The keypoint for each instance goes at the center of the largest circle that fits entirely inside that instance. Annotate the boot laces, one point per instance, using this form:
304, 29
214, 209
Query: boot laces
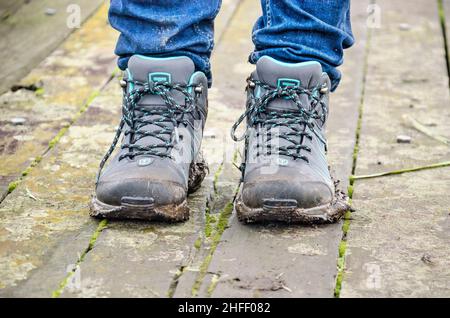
263, 119
136, 117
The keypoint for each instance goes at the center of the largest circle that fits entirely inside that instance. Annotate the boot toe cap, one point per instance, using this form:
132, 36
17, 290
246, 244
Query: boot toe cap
307, 194
158, 193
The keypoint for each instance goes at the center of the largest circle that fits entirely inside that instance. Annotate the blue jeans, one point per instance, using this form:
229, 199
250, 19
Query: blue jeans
289, 30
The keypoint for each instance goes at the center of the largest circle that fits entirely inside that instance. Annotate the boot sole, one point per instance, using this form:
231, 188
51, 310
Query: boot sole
327, 213
165, 213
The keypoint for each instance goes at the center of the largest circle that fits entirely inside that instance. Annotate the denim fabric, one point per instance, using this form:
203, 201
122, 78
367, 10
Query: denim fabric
295, 31
165, 28
289, 30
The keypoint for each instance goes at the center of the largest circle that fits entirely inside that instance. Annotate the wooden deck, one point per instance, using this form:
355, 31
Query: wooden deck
61, 117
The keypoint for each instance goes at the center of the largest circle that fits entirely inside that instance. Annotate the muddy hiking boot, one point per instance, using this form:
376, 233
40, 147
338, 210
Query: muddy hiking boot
159, 161
285, 173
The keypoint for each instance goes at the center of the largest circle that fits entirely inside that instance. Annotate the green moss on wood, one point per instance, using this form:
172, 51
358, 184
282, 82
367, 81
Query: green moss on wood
101, 226
350, 191
339, 279
216, 178
342, 248
345, 226
212, 286
12, 186
58, 136
39, 92
208, 225
27, 171
222, 224
198, 243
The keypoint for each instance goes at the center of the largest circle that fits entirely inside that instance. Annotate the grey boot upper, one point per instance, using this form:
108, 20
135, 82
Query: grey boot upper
286, 114
165, 108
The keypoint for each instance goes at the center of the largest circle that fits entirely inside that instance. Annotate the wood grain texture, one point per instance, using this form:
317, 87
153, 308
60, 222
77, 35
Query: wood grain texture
398, 242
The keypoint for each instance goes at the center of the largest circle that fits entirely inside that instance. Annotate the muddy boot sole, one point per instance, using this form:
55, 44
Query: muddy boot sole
150, 212
166, 213
328, 213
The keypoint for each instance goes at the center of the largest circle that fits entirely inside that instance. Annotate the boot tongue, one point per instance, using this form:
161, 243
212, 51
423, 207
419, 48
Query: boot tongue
174, 70
277, 74
274, 73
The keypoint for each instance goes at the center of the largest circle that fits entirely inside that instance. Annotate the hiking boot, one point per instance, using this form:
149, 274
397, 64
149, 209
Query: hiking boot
285, 174
159, 162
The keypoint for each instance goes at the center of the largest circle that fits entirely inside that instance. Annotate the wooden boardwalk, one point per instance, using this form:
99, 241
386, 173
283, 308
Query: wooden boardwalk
61, 117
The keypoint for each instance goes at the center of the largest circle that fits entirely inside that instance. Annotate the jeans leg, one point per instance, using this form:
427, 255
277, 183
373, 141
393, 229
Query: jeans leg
165, 28
304, 30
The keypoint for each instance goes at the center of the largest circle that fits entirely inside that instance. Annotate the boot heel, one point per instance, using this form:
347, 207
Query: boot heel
197, 173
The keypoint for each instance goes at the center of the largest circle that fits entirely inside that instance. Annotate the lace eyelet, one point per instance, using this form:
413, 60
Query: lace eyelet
198, 89
265, 120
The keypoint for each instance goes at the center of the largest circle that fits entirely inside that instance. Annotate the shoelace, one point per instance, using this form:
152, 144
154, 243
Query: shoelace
258, 114
136, 117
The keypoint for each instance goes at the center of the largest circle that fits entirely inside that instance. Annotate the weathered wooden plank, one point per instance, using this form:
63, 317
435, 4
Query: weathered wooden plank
69, 77
226, 12
45, 228
31, 30
44, 223
444, 15
217, 214
398, 243
294, 261
9, 7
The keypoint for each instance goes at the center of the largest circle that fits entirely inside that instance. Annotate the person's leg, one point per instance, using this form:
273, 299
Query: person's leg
298, 45
164, 49
304, 30
165, 28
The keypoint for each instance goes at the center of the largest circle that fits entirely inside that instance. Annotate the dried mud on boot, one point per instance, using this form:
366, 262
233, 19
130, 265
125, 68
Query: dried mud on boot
197, 173
328, 213
168, 213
